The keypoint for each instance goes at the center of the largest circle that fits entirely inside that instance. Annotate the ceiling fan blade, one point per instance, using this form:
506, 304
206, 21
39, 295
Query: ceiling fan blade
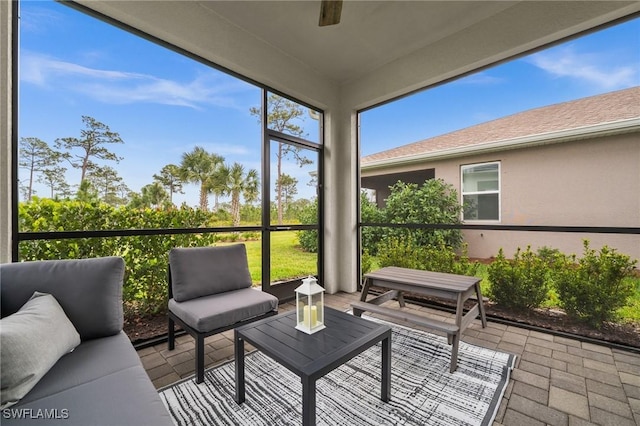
330, 11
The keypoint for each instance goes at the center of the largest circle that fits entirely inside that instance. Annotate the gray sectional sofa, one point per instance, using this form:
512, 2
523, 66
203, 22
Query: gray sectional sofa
102, 381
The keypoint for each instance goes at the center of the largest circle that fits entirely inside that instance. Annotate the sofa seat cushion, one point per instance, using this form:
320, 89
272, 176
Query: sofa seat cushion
31, 342
102, 382
224, 309
124, 397
90, 361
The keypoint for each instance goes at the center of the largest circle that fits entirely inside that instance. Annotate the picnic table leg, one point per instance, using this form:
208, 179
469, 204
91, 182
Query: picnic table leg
308, 401
483, 317
239, 364
456, 337
365, 290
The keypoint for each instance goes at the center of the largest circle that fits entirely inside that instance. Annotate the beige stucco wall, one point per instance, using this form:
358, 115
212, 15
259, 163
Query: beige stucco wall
592, 182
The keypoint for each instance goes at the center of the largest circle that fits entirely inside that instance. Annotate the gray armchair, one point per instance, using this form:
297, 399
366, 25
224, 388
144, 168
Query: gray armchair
210, 292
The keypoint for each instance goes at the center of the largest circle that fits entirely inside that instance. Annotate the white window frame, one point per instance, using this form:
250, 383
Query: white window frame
498, 191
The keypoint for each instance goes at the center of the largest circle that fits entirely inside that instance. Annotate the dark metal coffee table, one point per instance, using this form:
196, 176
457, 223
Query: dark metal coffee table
311, 356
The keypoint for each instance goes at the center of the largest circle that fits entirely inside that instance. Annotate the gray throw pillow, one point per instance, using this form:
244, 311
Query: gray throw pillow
32, 340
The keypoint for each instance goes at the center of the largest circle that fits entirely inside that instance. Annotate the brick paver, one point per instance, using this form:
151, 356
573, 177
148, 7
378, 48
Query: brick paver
557, 380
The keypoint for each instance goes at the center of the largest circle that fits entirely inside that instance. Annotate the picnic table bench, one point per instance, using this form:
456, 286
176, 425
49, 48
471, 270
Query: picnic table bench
435, 284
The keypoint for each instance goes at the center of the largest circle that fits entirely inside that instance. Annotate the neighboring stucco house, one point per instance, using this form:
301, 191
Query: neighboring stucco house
571, 164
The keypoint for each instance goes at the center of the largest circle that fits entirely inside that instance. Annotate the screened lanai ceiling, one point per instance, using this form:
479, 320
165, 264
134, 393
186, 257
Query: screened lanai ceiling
370, 34
380, 49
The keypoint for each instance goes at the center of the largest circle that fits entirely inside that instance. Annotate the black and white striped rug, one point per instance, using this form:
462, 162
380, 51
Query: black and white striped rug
423, 392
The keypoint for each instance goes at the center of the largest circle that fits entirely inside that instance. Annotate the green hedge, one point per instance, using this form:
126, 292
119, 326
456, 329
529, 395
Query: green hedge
593, 288
145, 287
590, 289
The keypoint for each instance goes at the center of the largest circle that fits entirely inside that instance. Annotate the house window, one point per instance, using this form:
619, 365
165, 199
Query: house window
481, 191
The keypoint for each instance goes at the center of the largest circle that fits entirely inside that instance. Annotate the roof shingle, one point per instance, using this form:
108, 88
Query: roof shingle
606, 108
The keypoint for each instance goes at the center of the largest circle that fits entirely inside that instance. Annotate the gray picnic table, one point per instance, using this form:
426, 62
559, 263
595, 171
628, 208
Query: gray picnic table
458, 288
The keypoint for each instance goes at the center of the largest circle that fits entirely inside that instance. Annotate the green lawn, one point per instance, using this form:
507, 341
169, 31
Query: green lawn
287, 258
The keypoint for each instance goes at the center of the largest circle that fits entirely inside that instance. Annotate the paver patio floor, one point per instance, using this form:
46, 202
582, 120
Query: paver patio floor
557, 380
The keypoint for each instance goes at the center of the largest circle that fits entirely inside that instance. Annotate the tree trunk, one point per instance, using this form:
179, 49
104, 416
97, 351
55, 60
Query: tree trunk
235, 208
278, 186
204, 201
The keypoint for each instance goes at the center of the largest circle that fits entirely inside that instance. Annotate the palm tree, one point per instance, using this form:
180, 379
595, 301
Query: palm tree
217, 182
154, 194
240, 184
198, 166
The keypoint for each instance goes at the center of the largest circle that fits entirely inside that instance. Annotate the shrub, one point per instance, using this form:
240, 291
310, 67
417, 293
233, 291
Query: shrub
593, 288
521, 283
404, 253
146, 257
309, 239
409, 254
366, 263
371, 235
435, 202
445, 259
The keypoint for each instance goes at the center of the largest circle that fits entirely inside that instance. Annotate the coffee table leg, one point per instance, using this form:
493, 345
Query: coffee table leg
386, 369
308, 401
239, 361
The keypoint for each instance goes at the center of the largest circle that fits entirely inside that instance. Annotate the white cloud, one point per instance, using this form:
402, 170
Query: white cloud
480, 78
37, 20
588, 67
121, 87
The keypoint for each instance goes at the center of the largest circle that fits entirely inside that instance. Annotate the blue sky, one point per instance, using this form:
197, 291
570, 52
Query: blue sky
163, 104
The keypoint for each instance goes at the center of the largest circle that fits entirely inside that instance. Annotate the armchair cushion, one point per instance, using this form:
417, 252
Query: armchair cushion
88, 290
32, 340
220, 310
203, 271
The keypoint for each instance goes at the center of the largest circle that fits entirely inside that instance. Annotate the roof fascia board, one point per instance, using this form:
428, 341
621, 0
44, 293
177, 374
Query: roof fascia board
568, 135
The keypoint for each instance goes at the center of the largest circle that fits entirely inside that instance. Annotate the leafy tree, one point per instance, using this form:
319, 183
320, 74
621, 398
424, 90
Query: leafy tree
198, 166
106, 182
24, 190
239, 183
169, 177
217, 182
287, 185
282, 115
54, 178
154, 194
36, 156
122, 192
434, 202
91, 145
87, 193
